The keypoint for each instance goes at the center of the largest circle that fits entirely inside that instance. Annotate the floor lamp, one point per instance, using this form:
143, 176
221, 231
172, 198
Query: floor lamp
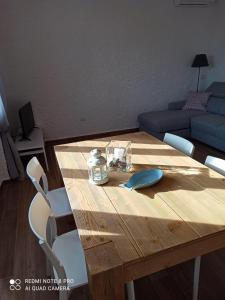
200, 61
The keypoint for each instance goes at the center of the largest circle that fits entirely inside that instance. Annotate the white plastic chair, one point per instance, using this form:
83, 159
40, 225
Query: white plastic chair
65, 253
197, 265
187, 148
215, 163
57, 198
179, 143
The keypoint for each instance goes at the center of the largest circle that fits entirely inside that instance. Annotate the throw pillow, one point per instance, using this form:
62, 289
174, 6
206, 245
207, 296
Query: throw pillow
197, 101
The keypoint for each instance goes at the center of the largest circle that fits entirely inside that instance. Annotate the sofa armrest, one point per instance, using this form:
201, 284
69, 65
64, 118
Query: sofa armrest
176, 105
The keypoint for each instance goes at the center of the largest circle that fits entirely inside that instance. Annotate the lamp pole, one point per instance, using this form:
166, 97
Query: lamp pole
198, 78
200, 60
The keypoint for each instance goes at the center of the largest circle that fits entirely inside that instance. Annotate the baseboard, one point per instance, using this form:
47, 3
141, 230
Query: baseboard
89, 137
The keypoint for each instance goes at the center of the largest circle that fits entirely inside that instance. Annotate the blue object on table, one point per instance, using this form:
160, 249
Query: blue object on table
143, 179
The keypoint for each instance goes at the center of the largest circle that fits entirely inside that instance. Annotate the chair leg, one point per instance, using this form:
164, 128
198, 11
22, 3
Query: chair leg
51, 234
130, 290
196, 277
63, 295
49, 270
46, 160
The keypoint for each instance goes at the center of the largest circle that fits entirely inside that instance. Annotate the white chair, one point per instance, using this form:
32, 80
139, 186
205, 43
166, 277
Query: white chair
187, 148
215, 163
197, 265
179, 143
65, 253
57, 198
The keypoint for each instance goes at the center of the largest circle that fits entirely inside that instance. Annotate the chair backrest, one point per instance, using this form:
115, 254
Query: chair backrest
39, 215
179, 143
215, 163
36, 173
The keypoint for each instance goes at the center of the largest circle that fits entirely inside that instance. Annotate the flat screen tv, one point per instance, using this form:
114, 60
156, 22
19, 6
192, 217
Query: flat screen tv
27, 120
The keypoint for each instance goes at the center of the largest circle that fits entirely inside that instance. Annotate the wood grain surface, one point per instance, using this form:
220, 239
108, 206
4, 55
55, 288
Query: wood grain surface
183, 214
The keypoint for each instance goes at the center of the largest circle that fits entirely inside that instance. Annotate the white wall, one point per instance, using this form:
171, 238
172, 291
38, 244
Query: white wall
92, 66
217, 40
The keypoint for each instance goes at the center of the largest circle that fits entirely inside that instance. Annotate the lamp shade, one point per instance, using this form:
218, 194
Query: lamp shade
200, 60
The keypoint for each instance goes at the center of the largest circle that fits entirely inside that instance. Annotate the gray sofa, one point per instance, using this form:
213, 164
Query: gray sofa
206, 126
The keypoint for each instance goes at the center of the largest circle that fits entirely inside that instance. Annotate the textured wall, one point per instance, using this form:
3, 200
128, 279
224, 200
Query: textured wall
217, 69
93, 66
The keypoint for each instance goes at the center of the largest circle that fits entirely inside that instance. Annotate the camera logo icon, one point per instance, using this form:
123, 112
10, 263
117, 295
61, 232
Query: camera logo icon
15, 284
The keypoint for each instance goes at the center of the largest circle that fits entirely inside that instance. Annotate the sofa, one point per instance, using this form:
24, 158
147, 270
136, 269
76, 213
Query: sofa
206, 126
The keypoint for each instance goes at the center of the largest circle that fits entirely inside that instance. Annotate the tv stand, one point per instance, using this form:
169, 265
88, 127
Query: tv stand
34, 144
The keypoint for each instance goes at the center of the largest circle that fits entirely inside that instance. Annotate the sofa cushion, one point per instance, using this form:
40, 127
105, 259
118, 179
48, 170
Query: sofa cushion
217, 89
209, 123
216, 105
221, 132
163, 121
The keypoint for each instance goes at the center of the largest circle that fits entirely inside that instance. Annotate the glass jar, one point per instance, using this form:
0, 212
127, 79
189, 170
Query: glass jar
97, 168
118, 155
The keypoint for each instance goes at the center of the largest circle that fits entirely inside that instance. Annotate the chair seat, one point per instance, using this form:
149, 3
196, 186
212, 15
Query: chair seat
59, 202
68, 249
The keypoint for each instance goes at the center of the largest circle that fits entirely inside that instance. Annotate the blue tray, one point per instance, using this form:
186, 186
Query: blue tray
143, 179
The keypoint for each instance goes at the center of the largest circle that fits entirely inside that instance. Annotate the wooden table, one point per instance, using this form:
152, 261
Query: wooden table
127, 235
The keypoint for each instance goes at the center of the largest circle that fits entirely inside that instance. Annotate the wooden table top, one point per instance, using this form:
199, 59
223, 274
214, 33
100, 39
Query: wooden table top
118, 227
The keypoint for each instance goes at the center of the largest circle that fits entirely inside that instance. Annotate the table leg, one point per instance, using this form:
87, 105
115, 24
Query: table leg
105, 273
196, 277
107, 286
